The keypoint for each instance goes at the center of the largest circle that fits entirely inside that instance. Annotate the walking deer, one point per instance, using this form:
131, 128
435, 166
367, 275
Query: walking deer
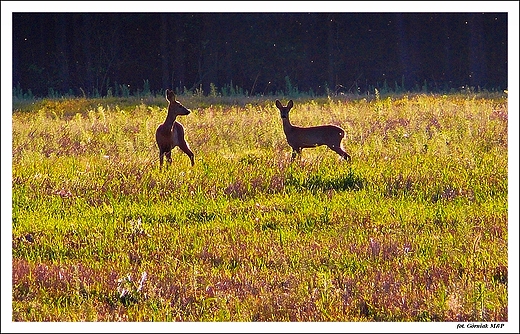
299, 137
171, 133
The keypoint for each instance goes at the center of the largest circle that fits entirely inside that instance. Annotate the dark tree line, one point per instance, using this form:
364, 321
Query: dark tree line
261, 53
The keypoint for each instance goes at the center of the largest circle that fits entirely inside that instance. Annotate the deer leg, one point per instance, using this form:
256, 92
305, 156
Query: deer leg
161, 158
186, 149
297, 151
344, 154
169, 157
340, 151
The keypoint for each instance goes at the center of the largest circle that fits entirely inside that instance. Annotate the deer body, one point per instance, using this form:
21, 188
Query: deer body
306, 137
171, 133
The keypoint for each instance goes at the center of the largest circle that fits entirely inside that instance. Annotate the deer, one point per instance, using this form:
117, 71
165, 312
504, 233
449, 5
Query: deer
299, 138
171, 133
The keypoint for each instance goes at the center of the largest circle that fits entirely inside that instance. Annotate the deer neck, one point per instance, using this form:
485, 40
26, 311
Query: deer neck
170, 119
287, 126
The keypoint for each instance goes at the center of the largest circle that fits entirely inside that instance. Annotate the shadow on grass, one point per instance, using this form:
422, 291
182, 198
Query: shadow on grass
317, 181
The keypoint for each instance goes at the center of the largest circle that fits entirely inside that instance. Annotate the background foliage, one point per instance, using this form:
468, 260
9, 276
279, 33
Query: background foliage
104, 54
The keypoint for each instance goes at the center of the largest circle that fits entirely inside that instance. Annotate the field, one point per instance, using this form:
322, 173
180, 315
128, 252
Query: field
413, 229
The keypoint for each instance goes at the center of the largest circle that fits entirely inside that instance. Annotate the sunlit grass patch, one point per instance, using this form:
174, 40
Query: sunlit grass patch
414, 228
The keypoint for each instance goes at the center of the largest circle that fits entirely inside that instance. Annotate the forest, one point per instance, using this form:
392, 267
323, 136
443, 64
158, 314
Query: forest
100, 54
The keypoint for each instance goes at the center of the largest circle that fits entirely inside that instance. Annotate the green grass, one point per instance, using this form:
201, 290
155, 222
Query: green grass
414, 229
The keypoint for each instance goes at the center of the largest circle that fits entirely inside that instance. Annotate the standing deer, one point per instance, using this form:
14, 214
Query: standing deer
171, 133
299, 138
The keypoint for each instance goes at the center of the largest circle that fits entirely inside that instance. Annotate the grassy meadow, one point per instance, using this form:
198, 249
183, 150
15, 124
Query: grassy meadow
413, 229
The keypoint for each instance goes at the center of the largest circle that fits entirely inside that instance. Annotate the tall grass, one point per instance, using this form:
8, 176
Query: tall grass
414, 229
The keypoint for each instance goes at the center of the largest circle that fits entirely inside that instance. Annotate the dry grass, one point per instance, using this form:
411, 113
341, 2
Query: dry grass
414, 229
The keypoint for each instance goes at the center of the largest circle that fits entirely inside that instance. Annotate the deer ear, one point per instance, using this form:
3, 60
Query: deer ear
170, 95
278, 104
290, 104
